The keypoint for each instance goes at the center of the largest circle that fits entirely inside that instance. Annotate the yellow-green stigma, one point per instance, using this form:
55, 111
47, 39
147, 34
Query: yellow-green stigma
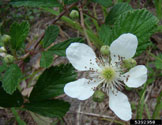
108, 73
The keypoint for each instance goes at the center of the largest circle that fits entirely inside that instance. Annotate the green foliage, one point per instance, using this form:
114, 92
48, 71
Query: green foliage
105, 3
18, 33
3, 67
11, 78
50, 108
18, 119
158, 61
158, 107
7, 100
35, 3
70, 1
46, 59
60, 48
105, 34
50, 36
139, 22
51, 82
116, 11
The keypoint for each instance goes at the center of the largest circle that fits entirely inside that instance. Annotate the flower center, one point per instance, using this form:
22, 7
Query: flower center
108, 73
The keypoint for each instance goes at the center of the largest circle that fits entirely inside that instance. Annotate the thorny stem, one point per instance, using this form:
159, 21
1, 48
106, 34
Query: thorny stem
82, 24
73, 24
54, 21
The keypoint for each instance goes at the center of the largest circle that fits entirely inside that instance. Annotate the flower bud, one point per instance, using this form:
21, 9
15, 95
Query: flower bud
98, 96
129, 63
105, 50
9, 59
2, 50
5, 38
74, 14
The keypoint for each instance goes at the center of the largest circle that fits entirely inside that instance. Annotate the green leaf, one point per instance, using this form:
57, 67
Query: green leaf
51, 83
105, 34
138, 22
158, 61
105, 3
70, 1
60, 48
18, 34
117, 10
3, 67
46, 59
49, 108
7, 100
50, 36
18, 119
35, 3
158, 107
11, 78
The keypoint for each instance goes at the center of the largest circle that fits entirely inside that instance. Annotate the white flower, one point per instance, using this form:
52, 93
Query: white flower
106, 74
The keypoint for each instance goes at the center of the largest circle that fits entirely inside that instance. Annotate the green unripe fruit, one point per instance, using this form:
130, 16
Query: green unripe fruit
5, 38
98, 96
129, 63
105, 50
74, 14
9, 59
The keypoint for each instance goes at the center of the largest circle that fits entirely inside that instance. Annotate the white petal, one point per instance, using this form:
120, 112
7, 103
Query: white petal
120, 105
81, 89
125, 46
137, 76
81, 56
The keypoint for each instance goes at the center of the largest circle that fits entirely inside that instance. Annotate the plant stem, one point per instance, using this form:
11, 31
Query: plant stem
18, 119
98, 43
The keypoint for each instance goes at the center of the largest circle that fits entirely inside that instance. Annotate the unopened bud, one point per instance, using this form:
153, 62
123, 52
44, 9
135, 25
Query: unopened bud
9, 59
2, 50
105, 50
98, 96
129, 63
74, 14
5, 38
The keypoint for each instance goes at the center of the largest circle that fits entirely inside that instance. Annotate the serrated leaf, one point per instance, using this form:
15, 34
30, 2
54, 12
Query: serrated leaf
60, 48
51, 82
105, 3
117, 10
18, 34
158, 61
50, 36
49, 108
138, 22
7, 100
11, 78
35, 3
46, 59
105, 34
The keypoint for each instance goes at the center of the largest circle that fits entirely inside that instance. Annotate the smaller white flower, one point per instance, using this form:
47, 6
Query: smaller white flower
106, 74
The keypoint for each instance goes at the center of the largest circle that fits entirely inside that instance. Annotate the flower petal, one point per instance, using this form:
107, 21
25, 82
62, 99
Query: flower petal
137, 76
81, 89
124, 46
120, 105
81, 56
